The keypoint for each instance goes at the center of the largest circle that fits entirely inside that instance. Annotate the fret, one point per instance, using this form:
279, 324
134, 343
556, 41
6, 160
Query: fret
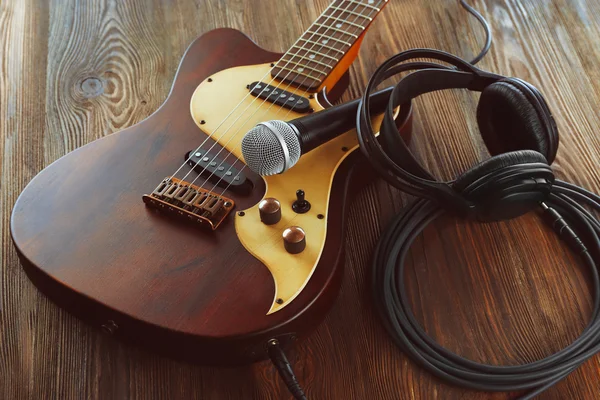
364, 5
310, 60
352, 13
313, 60
301, 73
353, 24
322, 45
302, 67
331, 38
316, 53
336, 29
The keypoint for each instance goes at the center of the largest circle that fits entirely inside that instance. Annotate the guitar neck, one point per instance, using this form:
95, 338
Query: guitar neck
328, 41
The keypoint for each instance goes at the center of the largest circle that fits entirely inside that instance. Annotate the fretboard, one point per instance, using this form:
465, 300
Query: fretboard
311, 59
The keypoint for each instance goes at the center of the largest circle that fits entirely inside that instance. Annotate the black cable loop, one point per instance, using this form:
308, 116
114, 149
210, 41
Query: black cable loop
394, 307
563, 210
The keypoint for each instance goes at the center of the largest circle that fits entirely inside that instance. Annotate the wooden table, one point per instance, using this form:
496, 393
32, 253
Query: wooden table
502, 293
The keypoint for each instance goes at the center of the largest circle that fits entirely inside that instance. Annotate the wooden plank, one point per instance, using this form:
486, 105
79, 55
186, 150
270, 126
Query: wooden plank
502, 293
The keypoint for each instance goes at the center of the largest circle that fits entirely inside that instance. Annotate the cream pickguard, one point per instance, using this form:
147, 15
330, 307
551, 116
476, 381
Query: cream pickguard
212, 102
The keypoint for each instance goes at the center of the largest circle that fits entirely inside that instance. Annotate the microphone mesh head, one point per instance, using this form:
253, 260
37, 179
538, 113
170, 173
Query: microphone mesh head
263, 151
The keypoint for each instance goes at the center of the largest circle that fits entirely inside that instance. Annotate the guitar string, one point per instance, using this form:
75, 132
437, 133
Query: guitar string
380, 5
291, 71
337, 19
272, 104
269, 242
223, 146
241, 102
244, 165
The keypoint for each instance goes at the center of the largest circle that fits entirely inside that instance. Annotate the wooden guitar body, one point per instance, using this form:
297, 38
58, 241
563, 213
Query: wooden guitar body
88, 242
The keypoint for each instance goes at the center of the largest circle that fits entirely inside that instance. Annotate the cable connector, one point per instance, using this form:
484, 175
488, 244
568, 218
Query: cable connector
285, 369
564, 230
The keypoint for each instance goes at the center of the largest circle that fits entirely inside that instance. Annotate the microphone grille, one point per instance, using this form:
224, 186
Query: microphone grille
263, 150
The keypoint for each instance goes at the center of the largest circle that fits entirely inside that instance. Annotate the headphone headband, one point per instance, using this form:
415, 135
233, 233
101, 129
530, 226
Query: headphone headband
414, 85
392, 158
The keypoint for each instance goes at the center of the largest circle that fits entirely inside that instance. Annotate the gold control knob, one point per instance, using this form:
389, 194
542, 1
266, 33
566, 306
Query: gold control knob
294, 239
270, 211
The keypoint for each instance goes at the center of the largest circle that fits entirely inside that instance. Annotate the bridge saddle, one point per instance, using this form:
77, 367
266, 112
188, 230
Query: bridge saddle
187, 202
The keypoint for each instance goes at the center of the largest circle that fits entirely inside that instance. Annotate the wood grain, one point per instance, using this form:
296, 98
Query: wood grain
504, 293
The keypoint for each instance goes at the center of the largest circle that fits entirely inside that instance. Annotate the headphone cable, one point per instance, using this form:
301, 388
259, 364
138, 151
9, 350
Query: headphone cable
572, 222
486, 27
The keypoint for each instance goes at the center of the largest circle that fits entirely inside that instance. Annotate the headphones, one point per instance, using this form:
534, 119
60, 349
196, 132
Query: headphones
514, 120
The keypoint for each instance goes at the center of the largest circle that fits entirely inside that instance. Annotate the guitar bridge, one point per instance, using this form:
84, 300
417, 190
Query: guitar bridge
190, 203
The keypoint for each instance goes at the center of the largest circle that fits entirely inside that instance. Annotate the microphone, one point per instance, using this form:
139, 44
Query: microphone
273, 147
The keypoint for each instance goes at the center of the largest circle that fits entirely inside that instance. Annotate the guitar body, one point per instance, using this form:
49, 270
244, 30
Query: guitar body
88, 242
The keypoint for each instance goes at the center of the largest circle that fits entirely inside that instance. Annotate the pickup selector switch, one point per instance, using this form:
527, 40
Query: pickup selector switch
270, 211
301, 205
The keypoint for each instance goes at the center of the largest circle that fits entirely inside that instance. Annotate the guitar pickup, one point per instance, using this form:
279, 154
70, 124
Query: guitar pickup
218, 171
280, 97
190, 203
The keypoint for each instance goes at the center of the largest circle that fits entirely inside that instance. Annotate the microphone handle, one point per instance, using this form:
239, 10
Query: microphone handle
321, 127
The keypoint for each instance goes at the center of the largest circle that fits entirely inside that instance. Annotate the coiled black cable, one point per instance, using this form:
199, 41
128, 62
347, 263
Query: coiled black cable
563, 210
575, 225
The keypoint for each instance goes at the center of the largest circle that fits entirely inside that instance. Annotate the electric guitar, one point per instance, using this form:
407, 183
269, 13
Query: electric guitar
159, 233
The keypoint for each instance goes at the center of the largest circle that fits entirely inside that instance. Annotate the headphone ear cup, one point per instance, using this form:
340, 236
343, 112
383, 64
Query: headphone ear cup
507, 185
509, 122
496, 163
